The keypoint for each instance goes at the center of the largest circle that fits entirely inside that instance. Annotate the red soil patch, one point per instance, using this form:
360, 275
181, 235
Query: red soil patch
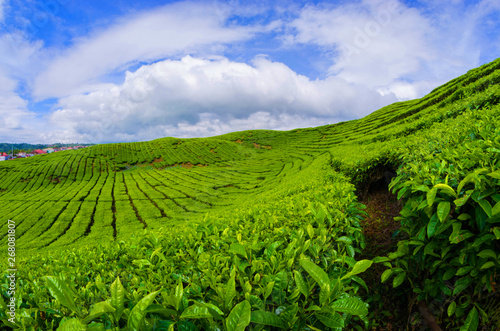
256, 145
267, 147
158, 160
239, 141
212, 151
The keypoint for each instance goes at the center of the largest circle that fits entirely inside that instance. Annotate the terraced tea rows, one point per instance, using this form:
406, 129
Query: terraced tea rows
88, 194
278, 184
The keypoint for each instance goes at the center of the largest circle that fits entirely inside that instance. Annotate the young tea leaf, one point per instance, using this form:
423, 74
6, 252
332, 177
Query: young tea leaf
446, 189
99, 309
136, 317
178, 295
398, 280
318, 274
432, 226
487, 265
330, 319
61, 292
239, 317
237, 248
386, 274
358, 268
431, 195
230, 292
267, 318
443, 210
301, 284
486, 207
195, 311
496, 209
451, 308
117, 298
487, 253
353, 306
472, 321
72, 324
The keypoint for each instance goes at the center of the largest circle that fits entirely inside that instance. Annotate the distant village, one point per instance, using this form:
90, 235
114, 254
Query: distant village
23, 154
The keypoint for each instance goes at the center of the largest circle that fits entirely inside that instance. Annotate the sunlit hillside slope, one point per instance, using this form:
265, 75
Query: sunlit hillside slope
254, 220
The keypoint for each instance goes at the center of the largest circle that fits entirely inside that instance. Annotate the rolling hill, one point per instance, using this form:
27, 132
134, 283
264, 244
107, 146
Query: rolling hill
262, 228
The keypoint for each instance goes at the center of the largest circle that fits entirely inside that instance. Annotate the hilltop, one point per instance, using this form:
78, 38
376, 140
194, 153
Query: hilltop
268, 224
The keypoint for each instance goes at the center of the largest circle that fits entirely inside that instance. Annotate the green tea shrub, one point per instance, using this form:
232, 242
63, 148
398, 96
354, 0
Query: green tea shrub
452, 217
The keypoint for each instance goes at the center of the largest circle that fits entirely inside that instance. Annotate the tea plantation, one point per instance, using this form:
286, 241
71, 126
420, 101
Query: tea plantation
263, 230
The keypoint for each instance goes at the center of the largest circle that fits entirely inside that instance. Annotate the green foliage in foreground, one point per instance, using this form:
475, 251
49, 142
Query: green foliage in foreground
451, 216
288, 264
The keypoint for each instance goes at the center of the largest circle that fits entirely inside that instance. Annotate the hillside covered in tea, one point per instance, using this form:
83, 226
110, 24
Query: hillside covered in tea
266, 230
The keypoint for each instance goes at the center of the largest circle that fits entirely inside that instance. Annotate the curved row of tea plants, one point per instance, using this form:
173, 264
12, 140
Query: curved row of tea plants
282, 263
260, 229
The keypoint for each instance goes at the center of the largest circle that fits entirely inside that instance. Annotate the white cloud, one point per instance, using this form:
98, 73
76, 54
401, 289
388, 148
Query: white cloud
193, 97
376, 43
17, 61
19, 57
11, 105
389, 46
169, 31
16, 122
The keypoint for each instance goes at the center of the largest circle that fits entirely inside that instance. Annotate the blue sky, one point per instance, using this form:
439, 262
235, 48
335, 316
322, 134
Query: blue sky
112, 71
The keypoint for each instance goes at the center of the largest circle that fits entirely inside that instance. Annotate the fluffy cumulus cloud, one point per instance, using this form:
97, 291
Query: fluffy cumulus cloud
12, 107
168, 31
16, 122
201, 97
392, 47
